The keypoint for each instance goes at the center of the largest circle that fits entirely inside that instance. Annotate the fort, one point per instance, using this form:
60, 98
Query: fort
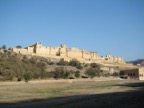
63, 52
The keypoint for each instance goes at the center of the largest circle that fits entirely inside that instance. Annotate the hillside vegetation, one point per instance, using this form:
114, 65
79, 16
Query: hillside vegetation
26, 67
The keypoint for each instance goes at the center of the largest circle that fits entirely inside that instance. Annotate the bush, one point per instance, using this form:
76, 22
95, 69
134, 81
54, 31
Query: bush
33, 60
77, 74
51, 63
4, 47
74, 63
116, 74
79, 66
94, 65
43, 75
18, 46
92, 72
66, 74
27, 77
85, 65
58, 72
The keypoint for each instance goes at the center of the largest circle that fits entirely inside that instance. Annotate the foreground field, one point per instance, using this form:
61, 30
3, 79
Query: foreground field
72, 94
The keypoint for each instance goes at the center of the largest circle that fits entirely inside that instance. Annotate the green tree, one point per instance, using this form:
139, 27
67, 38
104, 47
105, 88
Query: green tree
79, 66
92, 72
116, 74
27, 77
18, 46
76, 64
4, 47
77, 74
94, 65
58, 72
66, 74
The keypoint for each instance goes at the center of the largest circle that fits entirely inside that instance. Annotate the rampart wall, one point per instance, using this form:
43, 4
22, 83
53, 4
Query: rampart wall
67, 53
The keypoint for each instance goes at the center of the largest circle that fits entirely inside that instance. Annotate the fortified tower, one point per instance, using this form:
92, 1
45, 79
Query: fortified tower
67, 53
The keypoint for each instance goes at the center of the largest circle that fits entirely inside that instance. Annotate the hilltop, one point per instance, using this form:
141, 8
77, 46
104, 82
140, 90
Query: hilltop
137, 62
18, 67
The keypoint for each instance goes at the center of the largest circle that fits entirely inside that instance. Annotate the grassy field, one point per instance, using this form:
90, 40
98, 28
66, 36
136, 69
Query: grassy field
73, 94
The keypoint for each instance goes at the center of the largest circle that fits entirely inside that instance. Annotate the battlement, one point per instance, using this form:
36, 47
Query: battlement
67, 53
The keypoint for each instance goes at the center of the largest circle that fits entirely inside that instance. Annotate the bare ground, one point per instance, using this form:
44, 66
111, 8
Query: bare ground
72, 93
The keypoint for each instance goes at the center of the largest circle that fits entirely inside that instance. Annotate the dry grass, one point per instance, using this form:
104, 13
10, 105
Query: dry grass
19, 91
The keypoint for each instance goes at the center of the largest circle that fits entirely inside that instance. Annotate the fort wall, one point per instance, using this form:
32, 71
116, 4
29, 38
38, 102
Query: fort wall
67, 53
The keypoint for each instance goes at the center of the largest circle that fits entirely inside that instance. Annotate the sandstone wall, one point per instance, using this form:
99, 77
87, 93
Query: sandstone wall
141, 73
72, 53
67, 54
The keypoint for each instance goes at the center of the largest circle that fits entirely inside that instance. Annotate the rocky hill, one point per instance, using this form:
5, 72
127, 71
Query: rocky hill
137, 62
18, 67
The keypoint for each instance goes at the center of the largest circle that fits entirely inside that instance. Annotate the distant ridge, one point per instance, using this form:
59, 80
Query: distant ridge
137, 62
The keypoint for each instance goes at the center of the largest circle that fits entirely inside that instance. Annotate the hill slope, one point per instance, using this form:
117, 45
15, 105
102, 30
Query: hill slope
138, 61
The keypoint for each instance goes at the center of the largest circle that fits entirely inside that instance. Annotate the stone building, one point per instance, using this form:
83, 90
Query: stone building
63, 52
137, 73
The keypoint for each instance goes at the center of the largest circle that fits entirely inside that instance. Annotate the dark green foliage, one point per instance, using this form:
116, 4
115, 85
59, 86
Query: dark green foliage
94, 65
66, 74
116, 74
77, 74
5, 51
18, 46
79, 66
85, 65
76, 64
4, 47
27, 77
92, 72
60, 72
51, 63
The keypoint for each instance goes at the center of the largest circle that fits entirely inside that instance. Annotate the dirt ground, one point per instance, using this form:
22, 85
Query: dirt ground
71, 93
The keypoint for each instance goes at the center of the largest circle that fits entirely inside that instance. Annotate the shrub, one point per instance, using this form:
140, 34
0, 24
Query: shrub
74, 62
27, 77
116, 74
94, 65
77, 74
32, 60
66, 74
18, 46
5, 51
51, 63
85, 65
79, 66
58, 72
92, 72
4, 47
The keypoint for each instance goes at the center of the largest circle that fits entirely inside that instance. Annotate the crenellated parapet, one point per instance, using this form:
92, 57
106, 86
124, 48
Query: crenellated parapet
67, 53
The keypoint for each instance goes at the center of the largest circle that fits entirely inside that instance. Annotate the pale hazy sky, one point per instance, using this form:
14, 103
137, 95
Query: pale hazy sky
106, 26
